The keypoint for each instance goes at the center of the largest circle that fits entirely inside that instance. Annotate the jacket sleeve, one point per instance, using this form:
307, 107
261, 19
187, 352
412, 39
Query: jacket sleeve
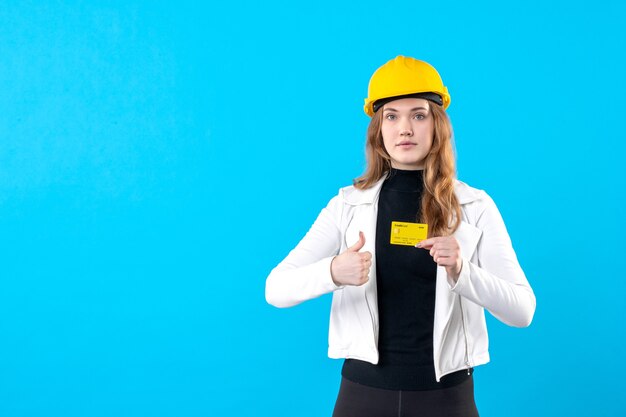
496, 281
305, 273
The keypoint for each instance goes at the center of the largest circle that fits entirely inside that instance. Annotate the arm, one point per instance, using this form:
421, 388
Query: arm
496, 281
305, 273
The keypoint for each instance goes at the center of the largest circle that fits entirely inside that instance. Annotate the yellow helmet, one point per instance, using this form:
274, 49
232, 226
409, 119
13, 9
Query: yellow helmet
405, 77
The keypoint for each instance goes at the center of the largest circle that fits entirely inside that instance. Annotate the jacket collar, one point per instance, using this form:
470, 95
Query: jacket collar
354, 196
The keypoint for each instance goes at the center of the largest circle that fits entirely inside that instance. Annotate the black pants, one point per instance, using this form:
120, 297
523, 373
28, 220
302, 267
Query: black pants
356, 400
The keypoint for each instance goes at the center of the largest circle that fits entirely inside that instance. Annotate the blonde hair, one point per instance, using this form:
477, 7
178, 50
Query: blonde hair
440, 208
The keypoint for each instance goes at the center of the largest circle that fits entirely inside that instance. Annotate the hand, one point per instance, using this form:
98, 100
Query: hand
446, 252
352, 267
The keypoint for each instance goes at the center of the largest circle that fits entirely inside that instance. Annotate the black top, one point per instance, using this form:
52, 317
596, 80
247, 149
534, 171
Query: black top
405, 278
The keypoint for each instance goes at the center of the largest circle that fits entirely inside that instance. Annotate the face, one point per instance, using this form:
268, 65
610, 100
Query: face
407, 130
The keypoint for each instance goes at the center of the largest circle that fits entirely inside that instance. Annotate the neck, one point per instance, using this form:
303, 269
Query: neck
405, 180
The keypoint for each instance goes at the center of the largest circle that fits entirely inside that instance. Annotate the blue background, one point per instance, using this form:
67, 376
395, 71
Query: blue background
158, 159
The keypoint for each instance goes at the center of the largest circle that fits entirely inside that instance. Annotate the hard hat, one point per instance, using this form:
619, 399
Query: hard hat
405, 77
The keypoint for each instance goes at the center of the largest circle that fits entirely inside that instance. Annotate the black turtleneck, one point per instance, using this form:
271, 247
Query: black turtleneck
405, 278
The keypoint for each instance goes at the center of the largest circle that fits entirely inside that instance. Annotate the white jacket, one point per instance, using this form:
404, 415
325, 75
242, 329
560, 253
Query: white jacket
490, 278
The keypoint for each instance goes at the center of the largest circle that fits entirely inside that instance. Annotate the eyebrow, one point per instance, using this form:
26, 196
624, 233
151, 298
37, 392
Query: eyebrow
413, 109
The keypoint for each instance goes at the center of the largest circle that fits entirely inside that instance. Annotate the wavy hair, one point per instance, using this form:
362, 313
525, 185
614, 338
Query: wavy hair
440, 208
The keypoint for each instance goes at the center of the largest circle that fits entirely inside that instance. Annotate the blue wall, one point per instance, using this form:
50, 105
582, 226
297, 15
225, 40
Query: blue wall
158, 159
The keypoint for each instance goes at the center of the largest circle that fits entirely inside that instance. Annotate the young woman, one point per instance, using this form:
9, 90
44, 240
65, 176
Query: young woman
409, 320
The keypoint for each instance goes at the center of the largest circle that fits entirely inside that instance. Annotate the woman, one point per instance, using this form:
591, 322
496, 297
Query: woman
409, 320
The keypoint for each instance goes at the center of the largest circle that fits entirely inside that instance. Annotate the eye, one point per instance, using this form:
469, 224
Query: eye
390, 116
419, 116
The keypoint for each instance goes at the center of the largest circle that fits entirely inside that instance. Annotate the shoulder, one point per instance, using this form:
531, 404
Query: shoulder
476, 203
467, 194
356, 196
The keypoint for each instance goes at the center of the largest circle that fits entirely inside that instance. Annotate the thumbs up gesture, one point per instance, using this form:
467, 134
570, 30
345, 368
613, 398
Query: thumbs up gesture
352, 267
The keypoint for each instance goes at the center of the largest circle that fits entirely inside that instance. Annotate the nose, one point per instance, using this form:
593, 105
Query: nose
406, 129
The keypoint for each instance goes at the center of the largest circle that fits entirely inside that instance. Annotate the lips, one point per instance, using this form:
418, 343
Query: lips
406, 143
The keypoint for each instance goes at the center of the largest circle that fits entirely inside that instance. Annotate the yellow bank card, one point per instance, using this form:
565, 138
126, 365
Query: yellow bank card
408, 234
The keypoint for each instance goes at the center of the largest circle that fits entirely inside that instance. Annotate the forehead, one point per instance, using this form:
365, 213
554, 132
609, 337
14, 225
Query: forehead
407, 104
